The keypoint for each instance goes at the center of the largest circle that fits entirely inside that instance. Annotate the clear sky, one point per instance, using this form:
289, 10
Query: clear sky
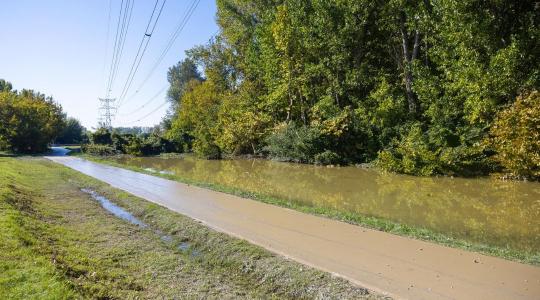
60, 48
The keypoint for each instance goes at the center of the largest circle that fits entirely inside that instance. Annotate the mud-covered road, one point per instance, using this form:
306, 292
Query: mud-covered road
386, 263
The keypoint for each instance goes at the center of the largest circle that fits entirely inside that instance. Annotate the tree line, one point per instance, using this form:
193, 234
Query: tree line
31, 121
137, 141
417, 87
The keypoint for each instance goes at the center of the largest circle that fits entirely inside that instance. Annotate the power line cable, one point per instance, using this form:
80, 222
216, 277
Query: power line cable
106, 110
116, 49
157, 94
174, 36
126, 20
138, 58
123, 42
107, 39
148, 114
140, 45
107, 86
147, 102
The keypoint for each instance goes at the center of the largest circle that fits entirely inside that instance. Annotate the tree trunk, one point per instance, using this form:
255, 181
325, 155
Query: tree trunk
289, 109
335, 92
302, 110
409, 56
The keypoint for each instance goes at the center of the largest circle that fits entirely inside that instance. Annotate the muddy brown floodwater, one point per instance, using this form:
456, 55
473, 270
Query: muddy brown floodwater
503, 213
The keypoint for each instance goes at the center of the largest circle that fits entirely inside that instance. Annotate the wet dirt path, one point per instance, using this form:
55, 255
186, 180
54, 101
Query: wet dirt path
400, 267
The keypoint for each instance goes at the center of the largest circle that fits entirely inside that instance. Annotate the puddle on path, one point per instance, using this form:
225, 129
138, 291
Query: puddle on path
114, 209
123, 214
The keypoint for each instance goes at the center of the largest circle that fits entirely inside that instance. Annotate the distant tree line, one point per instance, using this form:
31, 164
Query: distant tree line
136, 130
30, 121
111, 142
418, 87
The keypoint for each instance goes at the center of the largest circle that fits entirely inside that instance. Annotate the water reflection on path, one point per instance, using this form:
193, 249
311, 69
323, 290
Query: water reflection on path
116, 210
121, 213
482, 210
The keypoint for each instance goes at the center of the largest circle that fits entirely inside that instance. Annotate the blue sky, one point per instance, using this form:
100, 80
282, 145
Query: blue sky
58, 47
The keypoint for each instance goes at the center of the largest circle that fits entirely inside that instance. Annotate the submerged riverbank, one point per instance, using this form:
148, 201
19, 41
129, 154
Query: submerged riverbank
59, 242
497, 222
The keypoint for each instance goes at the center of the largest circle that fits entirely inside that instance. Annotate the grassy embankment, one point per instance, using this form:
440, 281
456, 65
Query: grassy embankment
385, 225
57, 242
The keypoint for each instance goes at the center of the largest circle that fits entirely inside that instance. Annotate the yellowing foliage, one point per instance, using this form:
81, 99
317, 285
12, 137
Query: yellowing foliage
516, 136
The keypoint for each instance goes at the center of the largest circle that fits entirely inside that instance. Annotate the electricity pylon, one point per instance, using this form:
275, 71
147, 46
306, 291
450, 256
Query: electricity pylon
106, 112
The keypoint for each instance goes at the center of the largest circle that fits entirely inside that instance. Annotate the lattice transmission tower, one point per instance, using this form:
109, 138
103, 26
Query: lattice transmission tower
106, 112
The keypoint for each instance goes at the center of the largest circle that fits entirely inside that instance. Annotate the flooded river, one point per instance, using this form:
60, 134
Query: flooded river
503, 213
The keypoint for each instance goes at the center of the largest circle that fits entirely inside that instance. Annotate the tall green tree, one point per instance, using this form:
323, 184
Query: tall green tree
29, 121
5, 86
73, 132
178, 76
414, 85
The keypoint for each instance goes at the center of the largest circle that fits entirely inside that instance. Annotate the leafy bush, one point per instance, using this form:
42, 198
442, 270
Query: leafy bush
134, 147
291, 142
516, 136
137, 145
97, 149
101, 136
204, 147
180, 140
436, 151
140, 146
121, 141
327, 158
411, 155
155, 144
